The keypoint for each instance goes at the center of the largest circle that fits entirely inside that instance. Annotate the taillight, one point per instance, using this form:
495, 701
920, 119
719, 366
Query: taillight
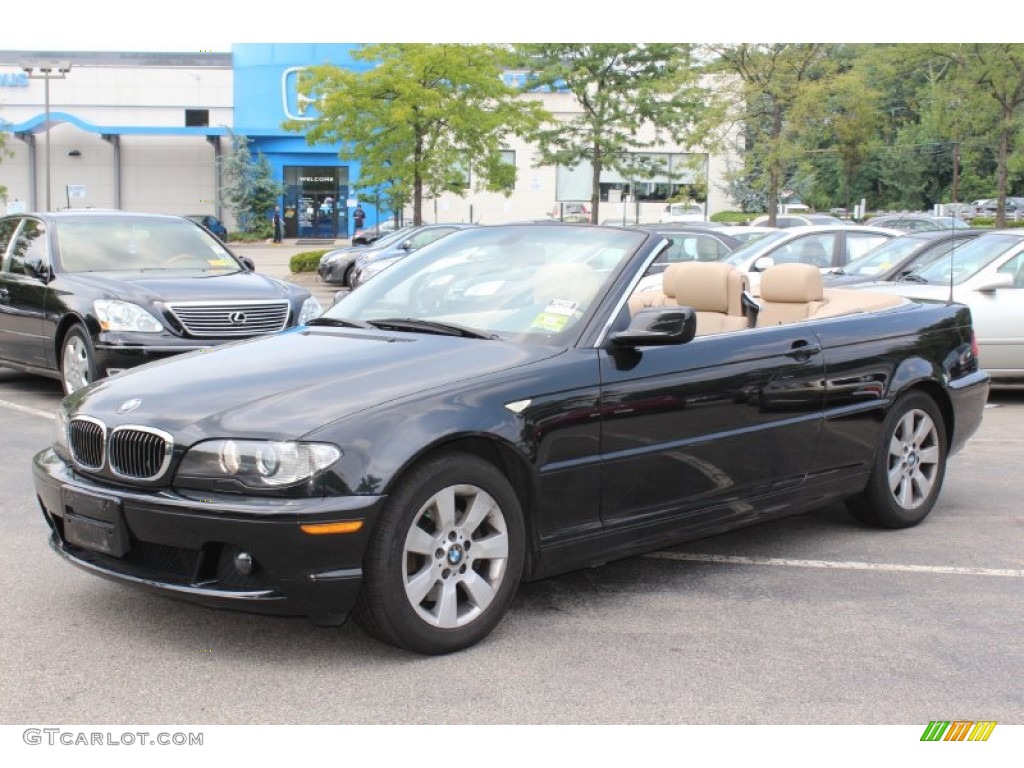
974, 345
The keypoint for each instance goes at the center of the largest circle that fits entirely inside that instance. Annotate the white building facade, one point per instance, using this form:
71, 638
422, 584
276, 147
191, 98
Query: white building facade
144, 132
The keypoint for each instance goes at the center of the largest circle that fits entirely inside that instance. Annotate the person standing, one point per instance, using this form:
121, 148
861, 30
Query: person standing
358, 217
278, 225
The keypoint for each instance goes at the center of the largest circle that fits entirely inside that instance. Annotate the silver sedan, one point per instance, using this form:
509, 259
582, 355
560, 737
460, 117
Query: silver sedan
986, 274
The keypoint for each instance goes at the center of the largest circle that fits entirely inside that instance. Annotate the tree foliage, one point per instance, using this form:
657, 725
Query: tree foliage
248, 187
421, 119
621, 89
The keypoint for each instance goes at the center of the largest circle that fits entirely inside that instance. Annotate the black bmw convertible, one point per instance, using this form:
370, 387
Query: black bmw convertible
503, 405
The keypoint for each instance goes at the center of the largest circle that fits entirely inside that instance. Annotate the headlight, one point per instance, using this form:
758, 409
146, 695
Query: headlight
255, 463
124, 316
310, 308
375, 268
60, 432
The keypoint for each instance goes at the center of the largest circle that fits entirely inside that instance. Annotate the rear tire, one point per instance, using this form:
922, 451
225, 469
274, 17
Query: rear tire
909, 466
445, 558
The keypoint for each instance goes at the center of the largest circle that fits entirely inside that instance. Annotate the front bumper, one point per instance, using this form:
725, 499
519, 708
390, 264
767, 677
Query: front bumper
188, 548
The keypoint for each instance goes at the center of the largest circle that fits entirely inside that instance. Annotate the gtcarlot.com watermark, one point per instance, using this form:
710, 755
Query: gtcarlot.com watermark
69, 738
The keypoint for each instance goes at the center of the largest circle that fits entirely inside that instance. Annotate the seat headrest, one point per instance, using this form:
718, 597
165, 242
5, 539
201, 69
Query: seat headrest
704, 285
792, 283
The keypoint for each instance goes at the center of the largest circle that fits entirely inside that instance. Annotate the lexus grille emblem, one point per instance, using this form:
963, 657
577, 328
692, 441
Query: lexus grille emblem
129, 405
237, 318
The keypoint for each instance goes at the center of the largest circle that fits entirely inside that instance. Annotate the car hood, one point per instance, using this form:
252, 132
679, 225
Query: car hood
297, 380
149, 287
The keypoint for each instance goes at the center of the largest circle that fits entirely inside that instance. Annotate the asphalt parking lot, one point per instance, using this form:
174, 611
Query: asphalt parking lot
810, 620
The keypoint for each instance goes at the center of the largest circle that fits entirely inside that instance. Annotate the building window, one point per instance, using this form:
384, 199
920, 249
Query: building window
197, 118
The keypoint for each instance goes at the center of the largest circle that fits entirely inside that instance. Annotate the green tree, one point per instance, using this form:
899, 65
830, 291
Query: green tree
248, 187
630, 97
994, 76
776, 95
421, 120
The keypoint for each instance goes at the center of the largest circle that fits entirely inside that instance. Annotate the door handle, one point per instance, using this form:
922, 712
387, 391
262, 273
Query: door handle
801, 350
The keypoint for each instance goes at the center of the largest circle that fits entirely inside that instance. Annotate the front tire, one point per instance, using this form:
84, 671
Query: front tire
77, 360
910, 465
445, 558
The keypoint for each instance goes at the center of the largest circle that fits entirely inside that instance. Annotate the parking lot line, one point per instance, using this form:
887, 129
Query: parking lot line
835, 564
26, 409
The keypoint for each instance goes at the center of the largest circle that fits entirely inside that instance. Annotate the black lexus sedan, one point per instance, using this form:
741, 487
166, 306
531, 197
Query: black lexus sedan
86, 294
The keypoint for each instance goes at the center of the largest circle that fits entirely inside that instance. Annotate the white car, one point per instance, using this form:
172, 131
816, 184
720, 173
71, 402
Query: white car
826, 247
678, 213
986, 274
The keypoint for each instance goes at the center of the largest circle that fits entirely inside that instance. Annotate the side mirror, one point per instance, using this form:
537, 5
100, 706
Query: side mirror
248, 263
37, 269
764, 263
407, 245
995, 282
658, 326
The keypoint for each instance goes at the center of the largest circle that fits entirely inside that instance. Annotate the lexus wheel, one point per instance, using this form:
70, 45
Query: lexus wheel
77, 360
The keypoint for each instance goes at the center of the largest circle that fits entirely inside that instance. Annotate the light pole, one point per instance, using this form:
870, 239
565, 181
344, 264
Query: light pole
46, 74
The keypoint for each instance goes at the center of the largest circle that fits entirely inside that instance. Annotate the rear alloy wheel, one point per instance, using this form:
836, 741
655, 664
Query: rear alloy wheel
77, 360
909, 466
445, 558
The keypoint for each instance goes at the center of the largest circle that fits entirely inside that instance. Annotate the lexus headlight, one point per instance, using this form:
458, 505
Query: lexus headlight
117, 315
256, 463
310, 308
375, 268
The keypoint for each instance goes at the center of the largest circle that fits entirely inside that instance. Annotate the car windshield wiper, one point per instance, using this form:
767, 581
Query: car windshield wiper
338, 322
429, 326
912, 278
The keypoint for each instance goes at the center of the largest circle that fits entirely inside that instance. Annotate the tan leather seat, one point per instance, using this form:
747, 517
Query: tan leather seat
714, 290
790, 293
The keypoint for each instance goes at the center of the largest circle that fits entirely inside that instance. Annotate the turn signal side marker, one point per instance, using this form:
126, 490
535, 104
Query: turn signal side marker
319, 529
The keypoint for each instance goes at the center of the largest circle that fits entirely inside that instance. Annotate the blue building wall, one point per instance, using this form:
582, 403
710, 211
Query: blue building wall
265, 96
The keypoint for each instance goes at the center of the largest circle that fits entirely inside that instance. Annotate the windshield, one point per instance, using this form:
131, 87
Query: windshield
740, 256
884, 257
957, 266
391, 237
117, 244
529, 283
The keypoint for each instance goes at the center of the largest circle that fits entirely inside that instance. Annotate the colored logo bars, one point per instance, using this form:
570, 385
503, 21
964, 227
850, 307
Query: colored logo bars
958, 730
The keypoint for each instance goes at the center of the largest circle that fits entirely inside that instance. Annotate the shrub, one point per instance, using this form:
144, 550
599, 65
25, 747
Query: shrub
733, 217
307, 261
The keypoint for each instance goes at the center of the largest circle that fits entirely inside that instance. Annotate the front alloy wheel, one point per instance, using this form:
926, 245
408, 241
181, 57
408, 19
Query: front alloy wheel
77, 360
445, 557
456, 556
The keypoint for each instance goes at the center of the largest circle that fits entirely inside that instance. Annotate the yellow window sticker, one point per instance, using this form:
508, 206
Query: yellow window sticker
549, 321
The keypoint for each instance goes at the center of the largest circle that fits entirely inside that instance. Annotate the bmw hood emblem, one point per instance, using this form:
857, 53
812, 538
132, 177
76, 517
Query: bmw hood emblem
129, 405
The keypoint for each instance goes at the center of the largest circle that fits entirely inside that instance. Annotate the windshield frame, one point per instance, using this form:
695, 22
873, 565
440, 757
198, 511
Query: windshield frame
537, 284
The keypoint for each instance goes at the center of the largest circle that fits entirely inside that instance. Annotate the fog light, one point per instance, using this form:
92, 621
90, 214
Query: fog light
244, 563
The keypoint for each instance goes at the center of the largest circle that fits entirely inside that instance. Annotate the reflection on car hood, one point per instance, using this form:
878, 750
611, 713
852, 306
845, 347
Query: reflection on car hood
146, 287
297, 380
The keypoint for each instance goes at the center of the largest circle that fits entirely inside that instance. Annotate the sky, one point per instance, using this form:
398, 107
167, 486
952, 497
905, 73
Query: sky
201, 25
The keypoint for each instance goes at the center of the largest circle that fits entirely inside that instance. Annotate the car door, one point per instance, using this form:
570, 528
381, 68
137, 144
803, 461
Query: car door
23, 295
718, 421
998, 315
